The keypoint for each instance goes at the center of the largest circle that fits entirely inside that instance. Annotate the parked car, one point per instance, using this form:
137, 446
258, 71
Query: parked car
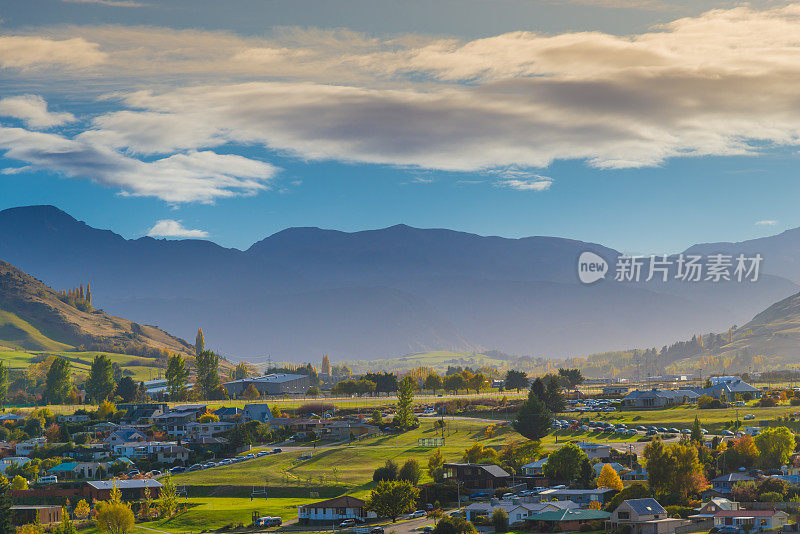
177, 469
480, 496
268, 522
417, 514
195, 467
49, 479
726, 433
274, 451
749, 417
347, 523
427, 529
376, 530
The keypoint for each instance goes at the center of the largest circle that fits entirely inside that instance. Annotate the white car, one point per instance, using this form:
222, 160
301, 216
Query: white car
417, 514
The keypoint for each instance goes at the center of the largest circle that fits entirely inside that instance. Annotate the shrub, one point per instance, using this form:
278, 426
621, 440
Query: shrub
454, 525
410, 471
315, 407
771, 496
767, 402
500, 520
387, 472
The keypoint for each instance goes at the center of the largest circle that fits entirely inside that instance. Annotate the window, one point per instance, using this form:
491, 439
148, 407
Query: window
623, 514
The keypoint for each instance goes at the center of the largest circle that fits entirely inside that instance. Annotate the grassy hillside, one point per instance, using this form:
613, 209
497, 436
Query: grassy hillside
34, 317
136, 367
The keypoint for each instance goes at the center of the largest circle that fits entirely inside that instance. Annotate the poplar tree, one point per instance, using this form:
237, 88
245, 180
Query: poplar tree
199, 342
177, 377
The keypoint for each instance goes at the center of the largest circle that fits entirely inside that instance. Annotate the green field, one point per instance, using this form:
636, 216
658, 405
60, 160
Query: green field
20, 334
141, 368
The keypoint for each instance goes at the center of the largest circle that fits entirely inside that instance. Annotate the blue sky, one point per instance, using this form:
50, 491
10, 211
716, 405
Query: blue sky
646, 126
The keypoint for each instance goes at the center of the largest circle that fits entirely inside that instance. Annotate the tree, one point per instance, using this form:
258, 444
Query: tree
570, 377
3, 383
775, 445
564, 464
392, 499
609, 478
433, 382
516, 380
404, 416
59, 381
114, 516
6, 524
168, 499
742, 452
674, 470
276, 411
82, 509
325, 368
250, 392
313, 391
410, 472
387, 472
478, 454
208, 418
500, 520
66, 526
199, 342
177, 377
100, 381
454, 525
659, 465
126, 388
436, 465
697, 431
240, 371
454, 383
637, 490
533, 419
207, 372
554, 400
106, 410
477, 382
18, 483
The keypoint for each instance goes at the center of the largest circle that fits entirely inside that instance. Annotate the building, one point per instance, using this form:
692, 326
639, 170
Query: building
274, 384
132, 490
565, 520
658, 398
729, 387
174, 421
517, 511
78, 470
229, 414
256, 412
616, 391
142, 413
207, 430
712, 507
723, 484
125, 435
24, 515
751, 520
25, 448
73, 418
639, 473
619, 468
535, 469
333, 511
643, 516
595, 451
477, 476
12, 460
173, 454
206, 444
582, 497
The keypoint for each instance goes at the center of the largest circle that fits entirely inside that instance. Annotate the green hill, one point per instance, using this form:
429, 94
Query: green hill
17, 333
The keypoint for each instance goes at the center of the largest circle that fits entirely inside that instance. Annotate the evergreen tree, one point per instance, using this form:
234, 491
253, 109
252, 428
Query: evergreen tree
697, 431
3, 383
433, 382
100, 381
207, 372
240, 371
405, 397
199, 342
516, 380
88, 293
177, 377
58, 383
533, 419
6, 526
325, 368
126, 388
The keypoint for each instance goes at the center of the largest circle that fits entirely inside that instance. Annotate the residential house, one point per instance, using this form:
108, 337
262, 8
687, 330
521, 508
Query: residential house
615, 391
565, 520
517, 510
723, 485
273, 384
477, 476
173, 454
206, 444
132, 490
712, 507
595, 451
333, 511
207, 430
73, 418
229, 414
256, 412
619, 468
581, 497
142, 413
78, 470
174, 421
103, 426
638, 473
751, 520
11, 417
658, 398
643, 516
12, 460
535, 469
125, 435
25, 448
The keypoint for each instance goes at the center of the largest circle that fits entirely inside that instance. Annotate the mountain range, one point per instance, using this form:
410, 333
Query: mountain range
303, 292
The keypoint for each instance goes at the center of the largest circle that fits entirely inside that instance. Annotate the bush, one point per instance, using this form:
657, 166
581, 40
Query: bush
500, 520
387, 472
795, 401
454, 525
767, 402
410, 471
770, 496
315, 407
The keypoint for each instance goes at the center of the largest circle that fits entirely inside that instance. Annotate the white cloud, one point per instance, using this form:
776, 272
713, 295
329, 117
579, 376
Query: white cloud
767, 222
194, 176
173, 228
32, 110
520, 182
26, 52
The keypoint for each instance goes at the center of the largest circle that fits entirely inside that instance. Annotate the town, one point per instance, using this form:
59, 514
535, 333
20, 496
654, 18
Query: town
289, 451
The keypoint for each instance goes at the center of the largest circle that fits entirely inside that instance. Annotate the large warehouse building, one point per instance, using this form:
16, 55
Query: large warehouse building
275, 384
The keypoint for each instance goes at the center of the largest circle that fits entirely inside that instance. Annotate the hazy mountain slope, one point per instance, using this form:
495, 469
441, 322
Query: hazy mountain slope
33, 317
305, 291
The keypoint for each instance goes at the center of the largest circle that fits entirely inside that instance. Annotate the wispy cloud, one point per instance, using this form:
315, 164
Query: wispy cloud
173, 228
111, 3
767, 222
32, 110
36, 52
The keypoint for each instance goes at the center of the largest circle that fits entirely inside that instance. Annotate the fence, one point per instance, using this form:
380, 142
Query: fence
698, 526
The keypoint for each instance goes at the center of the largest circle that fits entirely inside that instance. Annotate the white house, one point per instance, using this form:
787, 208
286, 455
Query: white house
334, 510
755, 519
